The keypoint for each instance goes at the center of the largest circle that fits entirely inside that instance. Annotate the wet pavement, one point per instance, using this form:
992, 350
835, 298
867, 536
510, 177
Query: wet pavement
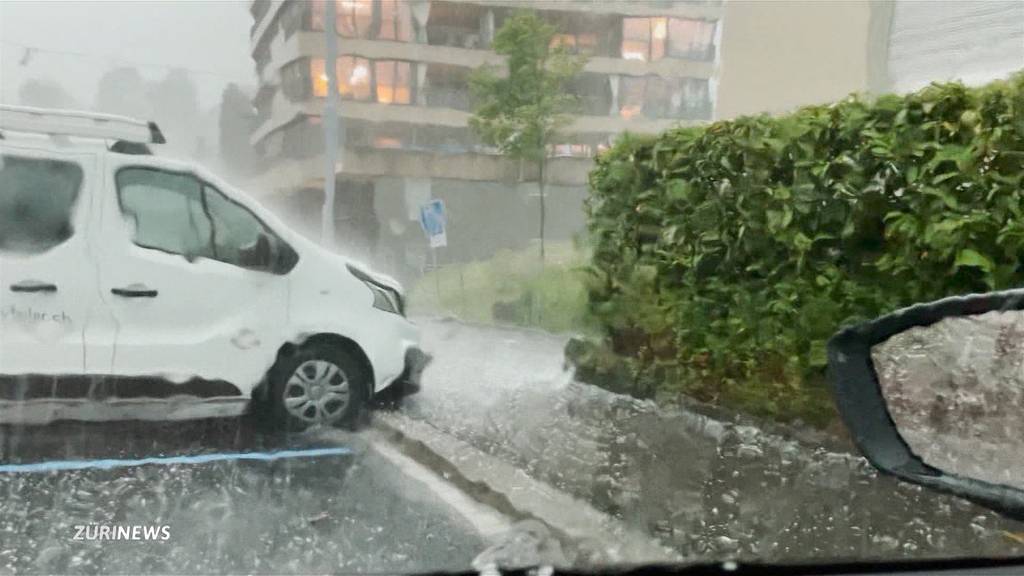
340, 513
706, 488
710, 489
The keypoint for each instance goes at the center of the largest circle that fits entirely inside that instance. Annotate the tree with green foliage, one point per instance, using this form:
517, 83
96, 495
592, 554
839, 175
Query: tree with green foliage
520, 112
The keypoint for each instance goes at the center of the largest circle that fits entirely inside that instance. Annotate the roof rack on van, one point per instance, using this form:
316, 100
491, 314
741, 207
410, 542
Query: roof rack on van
74, 123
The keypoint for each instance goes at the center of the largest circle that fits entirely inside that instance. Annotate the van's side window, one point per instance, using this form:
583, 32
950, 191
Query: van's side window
165, 210
236, 230
37, 201
179, 214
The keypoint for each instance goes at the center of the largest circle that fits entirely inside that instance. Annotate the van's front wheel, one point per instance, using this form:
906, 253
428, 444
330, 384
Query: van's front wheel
317, 385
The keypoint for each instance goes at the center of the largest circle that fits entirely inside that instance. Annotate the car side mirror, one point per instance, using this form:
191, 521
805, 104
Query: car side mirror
934, 394
259, 254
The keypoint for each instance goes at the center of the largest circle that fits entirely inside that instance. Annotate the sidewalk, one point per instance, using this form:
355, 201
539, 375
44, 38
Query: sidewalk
706, 488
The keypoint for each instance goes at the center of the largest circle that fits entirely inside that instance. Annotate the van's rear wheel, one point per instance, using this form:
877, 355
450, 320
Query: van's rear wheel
318, 385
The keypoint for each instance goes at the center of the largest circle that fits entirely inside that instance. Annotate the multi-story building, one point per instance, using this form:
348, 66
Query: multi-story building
779, 55
403, 71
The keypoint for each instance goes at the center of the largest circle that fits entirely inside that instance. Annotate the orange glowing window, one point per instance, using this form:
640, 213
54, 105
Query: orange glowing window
636, 38
353, 17
659, 37
395, 21
353, 77
393, 82
319, 76
644, 38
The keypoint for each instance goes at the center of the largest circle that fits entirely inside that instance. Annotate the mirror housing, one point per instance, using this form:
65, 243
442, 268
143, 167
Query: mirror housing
258, 255
866, 410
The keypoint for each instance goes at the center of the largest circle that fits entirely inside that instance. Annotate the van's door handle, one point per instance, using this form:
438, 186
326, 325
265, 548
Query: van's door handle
33, 286
135, 291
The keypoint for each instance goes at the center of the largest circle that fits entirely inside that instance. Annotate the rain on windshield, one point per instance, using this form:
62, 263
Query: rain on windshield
397, 286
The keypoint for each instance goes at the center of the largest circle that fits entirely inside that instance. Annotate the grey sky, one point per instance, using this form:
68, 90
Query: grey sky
210, 37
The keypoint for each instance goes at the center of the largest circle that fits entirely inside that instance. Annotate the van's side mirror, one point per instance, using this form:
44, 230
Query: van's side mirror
259, 254
934, 394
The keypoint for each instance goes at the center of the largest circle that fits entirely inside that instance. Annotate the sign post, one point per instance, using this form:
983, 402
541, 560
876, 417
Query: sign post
433, 221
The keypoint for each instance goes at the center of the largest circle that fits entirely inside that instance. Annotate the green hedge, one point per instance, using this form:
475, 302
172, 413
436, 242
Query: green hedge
726, 255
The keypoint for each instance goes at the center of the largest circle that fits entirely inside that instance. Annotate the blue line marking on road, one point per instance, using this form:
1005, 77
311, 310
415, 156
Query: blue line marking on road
107, 464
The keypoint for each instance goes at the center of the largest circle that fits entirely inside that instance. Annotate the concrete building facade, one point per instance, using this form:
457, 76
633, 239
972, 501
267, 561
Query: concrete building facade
403, 72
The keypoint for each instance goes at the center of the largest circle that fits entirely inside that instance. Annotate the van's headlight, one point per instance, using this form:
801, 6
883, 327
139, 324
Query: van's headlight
385, 297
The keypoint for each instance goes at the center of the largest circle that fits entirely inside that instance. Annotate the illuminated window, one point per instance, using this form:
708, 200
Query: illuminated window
393, 82
353, 77
319, 75
690, 38
395, 21
353, 17
659, 35
636, 38
644, 38
632, 90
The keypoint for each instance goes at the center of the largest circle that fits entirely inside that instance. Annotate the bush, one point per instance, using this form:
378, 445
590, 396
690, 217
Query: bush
725, 256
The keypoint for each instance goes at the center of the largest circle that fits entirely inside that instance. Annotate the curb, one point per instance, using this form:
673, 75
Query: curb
585, 533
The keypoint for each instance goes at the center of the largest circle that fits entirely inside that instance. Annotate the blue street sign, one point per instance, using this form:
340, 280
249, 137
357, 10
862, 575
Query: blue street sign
432, 219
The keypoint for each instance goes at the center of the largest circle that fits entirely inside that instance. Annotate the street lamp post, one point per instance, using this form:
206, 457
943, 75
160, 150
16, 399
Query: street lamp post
330, 124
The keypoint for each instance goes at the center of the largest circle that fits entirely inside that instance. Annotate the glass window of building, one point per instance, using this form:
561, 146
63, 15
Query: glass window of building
395, 21
353, 77
446, 86
354, 18
394, 81
691, 38
593, 92
585, 44
644, 38
632, 91
659, 102
455, 24
696, 98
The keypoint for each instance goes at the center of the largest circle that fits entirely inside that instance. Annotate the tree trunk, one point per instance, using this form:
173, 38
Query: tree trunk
540, 185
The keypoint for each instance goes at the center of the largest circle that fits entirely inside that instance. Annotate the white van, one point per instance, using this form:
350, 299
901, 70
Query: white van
133, 286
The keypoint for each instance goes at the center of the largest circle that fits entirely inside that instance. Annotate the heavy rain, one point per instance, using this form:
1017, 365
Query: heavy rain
410, 286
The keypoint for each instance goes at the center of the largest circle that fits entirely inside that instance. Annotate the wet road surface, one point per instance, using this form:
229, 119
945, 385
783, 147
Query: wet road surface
344, 513
710, 489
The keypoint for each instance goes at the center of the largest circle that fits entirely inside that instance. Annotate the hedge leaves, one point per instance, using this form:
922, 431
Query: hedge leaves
726, 255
